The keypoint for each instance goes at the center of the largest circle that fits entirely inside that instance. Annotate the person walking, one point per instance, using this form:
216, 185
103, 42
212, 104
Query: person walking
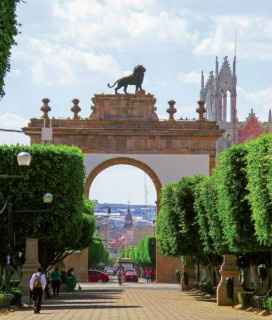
37, 285
55, 281
120, 274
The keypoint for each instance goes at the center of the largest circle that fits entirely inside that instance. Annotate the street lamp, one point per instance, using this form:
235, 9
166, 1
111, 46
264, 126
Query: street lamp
24, 159
48, 198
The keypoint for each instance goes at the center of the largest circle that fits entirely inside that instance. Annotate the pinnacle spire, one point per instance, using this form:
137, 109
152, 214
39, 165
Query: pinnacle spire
270, 115
216, 66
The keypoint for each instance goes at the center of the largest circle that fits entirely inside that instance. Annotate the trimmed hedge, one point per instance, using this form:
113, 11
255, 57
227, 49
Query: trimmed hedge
210, 227
259, 171
167, 226
144, 253
188, 235
56, 169
232, 199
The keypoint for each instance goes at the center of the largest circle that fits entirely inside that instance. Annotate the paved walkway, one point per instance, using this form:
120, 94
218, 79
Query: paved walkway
112, 303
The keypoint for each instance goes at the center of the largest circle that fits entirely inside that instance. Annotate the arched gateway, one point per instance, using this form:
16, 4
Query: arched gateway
125, 129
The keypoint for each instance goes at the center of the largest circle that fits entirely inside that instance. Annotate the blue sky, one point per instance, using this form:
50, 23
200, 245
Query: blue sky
73, 48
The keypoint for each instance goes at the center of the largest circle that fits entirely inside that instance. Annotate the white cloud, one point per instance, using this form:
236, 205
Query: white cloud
56, 64
254, 37
15, 122
259, 100
118, 23
192, 77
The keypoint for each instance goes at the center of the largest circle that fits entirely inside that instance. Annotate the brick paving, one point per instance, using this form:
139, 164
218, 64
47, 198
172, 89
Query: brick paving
132, 304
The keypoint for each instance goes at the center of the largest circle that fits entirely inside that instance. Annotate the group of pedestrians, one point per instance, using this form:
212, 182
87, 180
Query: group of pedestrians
147, 275
39, 284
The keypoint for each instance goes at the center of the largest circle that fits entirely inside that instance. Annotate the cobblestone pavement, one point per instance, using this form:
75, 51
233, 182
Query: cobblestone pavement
112, 303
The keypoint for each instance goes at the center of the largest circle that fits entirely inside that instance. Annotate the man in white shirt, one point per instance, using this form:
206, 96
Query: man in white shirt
37, 285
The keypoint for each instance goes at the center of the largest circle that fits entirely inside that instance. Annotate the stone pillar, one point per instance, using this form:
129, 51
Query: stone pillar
229, 269
31, 263
225, 107
220, 108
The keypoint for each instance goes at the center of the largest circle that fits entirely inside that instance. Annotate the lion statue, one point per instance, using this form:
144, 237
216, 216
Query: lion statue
135, 79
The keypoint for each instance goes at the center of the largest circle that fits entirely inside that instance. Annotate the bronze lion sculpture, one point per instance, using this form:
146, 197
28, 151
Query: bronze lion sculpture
135, 79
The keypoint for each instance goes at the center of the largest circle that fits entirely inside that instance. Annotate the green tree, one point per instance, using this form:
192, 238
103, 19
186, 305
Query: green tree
210, 226
259, 174
8, 31
167, 227
56, 169
177, 228
188, 235
97, 253
232, 200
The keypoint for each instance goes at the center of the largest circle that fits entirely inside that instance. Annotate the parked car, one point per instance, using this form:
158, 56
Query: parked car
96, 276
131, 276
109, 271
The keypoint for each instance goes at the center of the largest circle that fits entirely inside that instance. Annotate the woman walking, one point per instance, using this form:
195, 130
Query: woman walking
55, 281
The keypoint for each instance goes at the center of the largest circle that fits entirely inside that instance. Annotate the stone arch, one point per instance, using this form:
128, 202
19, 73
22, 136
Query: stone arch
126, 161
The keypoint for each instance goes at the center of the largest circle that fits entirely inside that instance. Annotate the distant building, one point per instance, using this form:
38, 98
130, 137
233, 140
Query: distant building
220, 96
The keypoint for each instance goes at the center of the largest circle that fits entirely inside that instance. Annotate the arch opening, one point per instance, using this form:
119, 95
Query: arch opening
112, 216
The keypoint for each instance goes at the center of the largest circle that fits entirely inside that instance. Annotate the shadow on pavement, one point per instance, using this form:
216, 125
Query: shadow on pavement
201, 296
91, 299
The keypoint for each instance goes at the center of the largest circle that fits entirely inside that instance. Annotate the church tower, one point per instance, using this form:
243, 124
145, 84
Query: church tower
220, 96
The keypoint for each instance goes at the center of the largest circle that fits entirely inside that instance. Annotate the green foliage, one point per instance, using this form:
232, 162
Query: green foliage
97, 253
210, 228
56, 169
8, 31
144, 253
259, 172
177, 228
167, 226
233, 206
188, 235
267, 304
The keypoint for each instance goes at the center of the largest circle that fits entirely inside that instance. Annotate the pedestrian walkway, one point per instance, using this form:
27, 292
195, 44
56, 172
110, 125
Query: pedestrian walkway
132, 304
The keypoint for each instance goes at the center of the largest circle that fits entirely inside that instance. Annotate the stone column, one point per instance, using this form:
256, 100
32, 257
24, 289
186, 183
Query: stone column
220, 108
229, 269
31, 263
225, 107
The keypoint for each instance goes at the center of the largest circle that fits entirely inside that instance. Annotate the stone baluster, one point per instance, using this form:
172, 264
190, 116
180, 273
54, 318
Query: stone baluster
171, 110
45, 108
31, 264
201, 110
76, 109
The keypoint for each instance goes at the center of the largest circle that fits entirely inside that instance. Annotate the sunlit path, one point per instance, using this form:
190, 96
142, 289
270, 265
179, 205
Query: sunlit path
104, 302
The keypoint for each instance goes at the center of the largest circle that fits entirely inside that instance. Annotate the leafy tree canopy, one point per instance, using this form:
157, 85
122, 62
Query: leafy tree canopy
8, 31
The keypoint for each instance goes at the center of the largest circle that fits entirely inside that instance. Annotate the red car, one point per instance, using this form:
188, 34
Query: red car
96, 276
131, 276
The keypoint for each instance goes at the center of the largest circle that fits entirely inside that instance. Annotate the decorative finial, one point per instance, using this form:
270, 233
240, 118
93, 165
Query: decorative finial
171, 110
202, 79
201, 110
270, 116
45, 108
76, 109
216, 66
